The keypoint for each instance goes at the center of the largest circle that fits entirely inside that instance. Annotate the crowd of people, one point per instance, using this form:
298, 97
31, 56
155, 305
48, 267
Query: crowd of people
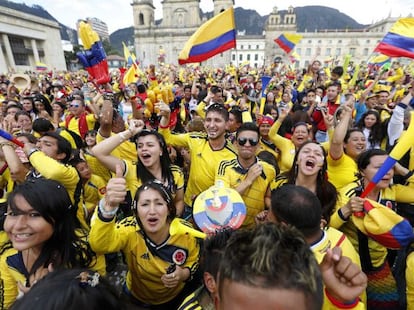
105, 171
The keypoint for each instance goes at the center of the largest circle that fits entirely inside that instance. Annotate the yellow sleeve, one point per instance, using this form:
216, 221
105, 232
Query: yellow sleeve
336, 221
9, 278
403, 193
182, 140
201, 109
409, 275
109, 237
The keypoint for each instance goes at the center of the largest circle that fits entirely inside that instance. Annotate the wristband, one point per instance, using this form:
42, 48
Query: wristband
102, 210
163, 127
31, 151
339, 304
408, 175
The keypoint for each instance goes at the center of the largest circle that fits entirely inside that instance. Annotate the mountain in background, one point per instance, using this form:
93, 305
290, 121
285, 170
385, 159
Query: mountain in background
308, 18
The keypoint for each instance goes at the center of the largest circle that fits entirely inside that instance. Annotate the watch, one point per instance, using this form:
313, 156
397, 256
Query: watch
31, 151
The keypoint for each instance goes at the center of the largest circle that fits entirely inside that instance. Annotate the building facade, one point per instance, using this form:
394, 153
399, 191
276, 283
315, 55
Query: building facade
163, 42
100, 27
27, 39
181, 18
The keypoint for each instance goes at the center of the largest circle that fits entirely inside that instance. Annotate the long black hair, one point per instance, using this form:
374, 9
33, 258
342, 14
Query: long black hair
325, 190
142, 172
66, 247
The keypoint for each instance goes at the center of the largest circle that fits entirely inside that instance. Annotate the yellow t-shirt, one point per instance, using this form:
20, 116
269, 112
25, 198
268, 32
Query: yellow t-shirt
204, 160
144, 268
232, 174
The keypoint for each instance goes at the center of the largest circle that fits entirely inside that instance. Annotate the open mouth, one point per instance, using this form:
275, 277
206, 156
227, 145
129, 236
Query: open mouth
152, 221
310, 163
146, 155
21, 237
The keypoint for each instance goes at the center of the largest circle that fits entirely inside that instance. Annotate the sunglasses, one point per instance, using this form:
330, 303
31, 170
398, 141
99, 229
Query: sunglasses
243, 141
74, 105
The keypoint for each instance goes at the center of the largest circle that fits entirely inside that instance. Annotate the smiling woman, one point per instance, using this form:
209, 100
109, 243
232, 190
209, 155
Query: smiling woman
44, 234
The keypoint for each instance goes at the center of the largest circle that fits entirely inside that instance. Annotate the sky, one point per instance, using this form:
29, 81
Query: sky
118, 13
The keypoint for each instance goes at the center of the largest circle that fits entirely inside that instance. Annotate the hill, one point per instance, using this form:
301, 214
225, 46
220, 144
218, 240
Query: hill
308, 18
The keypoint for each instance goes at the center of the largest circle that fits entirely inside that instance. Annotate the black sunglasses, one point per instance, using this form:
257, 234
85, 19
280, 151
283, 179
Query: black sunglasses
243, 141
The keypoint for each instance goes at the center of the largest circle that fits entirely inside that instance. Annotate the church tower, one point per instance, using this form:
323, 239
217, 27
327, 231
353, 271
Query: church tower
277, 24
221, 5
180, 13
143, 11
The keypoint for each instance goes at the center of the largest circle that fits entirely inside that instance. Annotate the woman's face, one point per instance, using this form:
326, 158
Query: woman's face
374, 164
152, 211
25, 227
356, 144
149, 150
90, 140
274, 113
310, 159
370, 120
39, 106
300, 135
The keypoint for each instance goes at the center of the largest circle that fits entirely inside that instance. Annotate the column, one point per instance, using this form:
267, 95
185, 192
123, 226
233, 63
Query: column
12, 64
3, 62
35, 51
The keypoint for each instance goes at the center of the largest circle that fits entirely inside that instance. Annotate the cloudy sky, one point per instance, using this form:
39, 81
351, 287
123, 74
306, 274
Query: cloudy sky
118, 13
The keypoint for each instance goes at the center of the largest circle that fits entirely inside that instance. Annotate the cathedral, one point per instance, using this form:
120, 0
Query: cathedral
162, 41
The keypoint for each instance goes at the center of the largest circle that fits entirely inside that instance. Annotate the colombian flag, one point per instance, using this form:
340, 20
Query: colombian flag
213, 37
287, 41
40, 66
399, 41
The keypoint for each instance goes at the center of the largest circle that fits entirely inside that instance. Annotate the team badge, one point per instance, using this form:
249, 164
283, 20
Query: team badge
179, 257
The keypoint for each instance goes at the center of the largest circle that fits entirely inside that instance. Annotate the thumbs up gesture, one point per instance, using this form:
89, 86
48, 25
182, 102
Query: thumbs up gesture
115, 190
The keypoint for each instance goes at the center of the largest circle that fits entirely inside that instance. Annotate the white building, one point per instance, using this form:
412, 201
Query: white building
100, 27
181, 18
26, 39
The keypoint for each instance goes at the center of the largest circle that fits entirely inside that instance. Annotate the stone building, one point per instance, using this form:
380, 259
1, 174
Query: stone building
26, 39
163, 41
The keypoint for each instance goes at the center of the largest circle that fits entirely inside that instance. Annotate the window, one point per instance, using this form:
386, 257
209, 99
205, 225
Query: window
365, 52
328, 51
257, 46
250, 47
248, 56
309, 41
330, 41
20, 52
352, 51
233, 57
241, 57
338, 51
256, 57
141, 19
241, 47
319, 41
299, 50
308, 51
339, 41
368, 41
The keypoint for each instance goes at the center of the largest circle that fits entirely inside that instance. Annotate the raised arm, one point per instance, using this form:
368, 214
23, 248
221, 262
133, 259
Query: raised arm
103, 150
337, 143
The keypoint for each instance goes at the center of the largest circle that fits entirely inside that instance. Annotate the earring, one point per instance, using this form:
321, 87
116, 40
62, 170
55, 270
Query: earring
160, 154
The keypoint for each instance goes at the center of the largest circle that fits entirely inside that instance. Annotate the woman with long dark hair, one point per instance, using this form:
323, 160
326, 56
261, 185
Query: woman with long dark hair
44, 234
310, 171
153, 161
160, 265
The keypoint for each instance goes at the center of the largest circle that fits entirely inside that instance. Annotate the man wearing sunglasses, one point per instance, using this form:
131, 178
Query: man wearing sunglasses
79, 120
247, 174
